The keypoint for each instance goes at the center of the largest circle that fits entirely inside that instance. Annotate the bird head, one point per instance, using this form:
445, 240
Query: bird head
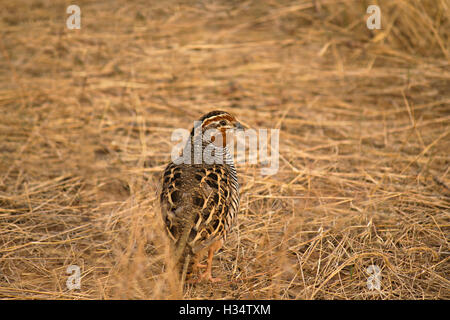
215, 126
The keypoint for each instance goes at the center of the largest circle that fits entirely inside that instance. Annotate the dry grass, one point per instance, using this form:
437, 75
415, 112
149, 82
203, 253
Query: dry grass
364, 170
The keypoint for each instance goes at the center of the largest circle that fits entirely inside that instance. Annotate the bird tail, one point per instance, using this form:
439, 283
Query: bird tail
182, 252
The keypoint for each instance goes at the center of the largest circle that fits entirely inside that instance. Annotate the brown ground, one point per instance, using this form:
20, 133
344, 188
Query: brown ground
86, 123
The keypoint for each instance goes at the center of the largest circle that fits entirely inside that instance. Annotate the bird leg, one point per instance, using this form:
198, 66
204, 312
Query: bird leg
196, 264
212, 249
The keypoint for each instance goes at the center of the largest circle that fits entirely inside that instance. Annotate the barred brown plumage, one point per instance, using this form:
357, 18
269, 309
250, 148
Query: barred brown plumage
200, 201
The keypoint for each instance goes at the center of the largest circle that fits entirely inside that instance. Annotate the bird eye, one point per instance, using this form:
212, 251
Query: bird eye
223, 123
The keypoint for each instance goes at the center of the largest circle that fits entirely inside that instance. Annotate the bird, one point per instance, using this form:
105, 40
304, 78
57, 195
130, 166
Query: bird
199, 197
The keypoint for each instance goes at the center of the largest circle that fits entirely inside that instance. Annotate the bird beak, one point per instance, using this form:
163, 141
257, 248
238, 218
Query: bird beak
239, 126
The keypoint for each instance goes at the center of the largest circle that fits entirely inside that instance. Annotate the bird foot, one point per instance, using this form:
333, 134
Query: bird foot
197, 266
204, 276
